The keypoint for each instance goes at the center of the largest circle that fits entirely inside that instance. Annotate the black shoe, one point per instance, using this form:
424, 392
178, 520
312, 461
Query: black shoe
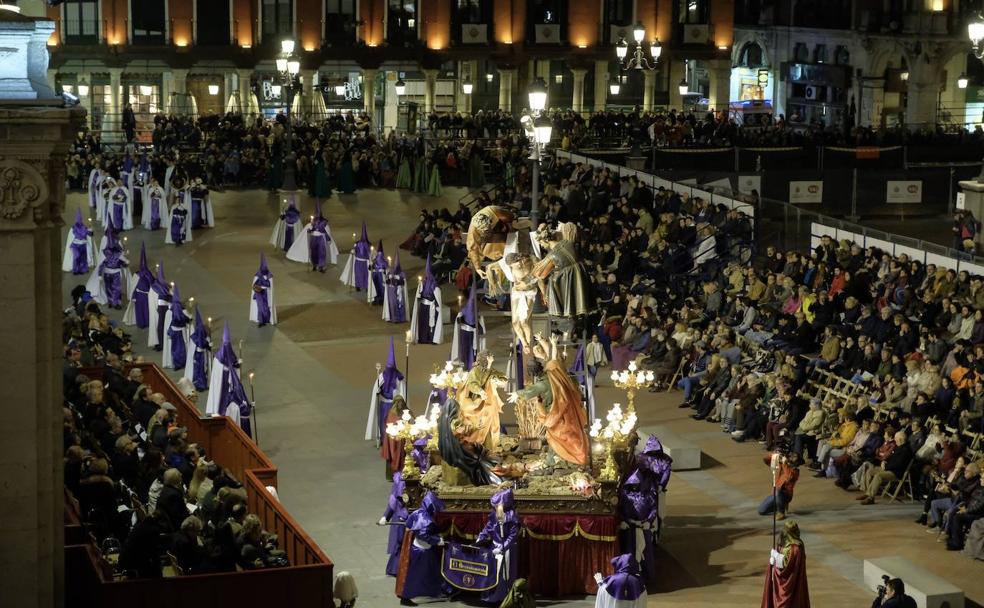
952, 547
406, 602
738, 439
697, 417
683, 405
922, 519
820, 475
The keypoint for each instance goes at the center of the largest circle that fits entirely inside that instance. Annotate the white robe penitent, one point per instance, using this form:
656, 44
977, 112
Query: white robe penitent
435, 311
301, 252
69, 257
254, 313
166, 361
372, 423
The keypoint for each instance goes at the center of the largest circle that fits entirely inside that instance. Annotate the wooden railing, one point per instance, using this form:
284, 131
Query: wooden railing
307, 582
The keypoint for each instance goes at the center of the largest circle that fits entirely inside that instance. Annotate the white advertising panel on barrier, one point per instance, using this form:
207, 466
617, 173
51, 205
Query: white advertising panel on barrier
912, 252
820, 230
704, 194
747, 183
941, 261
972, 268
806, 192
886, 246
961, 200
903, 191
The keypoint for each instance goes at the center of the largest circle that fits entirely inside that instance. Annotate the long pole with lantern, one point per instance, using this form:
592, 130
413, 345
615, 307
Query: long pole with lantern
539, 134
288, 67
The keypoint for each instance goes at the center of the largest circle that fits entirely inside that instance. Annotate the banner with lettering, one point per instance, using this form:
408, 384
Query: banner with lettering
806, 192
903, 191
469, 568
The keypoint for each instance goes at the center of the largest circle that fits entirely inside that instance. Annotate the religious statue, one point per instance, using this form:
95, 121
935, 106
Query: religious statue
487, 234
472, 459
564, 282
786, 585
480, 404
559, 397
521, 295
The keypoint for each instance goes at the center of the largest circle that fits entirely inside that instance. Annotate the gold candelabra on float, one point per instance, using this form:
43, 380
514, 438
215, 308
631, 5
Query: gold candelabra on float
632, 381
409, 429
613, 436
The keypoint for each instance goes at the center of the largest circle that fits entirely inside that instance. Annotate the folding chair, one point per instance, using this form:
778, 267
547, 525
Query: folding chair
899, 484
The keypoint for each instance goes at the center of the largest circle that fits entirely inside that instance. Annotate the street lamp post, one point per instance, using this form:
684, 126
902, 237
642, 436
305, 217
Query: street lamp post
638, 60
288, 67
538, 131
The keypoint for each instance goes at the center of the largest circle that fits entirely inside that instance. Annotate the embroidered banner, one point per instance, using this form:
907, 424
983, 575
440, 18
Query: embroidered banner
469, 568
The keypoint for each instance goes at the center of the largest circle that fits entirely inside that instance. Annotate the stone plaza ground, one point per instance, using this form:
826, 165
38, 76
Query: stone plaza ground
315, 369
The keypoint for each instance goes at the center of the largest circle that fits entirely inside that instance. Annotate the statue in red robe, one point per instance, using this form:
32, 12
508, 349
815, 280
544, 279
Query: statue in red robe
785, 583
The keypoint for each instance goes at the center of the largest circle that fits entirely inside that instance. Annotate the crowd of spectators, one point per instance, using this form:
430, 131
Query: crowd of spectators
152, 499
870, 367
339, 153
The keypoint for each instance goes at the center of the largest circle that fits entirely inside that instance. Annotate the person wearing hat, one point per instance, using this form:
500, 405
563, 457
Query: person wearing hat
786, 585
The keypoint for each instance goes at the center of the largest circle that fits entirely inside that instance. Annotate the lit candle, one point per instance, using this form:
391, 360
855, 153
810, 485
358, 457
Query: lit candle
191, 299
409, 336
251, 374
210, 321
353, 236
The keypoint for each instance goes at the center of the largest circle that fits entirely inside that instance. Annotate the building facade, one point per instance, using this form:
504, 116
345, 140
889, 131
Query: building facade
213, 54
869, 62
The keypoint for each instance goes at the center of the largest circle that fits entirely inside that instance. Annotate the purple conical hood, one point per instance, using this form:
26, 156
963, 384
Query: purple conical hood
396, 264
469, 314
200, 334
365, 234
430, 283
111, 241
226, 356
160, 273
143, 259
177, 308
78, 217
578, 365
264, 270
391, 357
317, 209
127, 163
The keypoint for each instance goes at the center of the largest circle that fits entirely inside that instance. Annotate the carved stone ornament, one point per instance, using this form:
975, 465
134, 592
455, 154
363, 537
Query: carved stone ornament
21, 186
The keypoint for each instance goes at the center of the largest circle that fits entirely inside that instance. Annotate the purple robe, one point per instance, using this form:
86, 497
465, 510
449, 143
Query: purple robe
179, 348
318, 243
395, 291
140, 305
503, 535
94, 190
638, 507
426, 302
262, 298
80, 247
199, 213
292, 224
117, 208
361, 268
378, 277
388, 385
179, 216
625, 584
203, 351
111, 270
155, 212
234, 395
163, 292
424, 570
420, 454
396, 515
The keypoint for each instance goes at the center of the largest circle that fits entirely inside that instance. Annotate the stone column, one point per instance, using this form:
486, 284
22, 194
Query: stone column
111, 120
720, 85
600, 85
923, 90
369, 92
577, 102
649, 90
245, 92
35, 141
307, 94
179, 98
677, 70
506, 81
430, 90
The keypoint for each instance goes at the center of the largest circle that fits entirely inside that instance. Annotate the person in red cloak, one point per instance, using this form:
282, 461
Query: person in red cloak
785, 583
392, 449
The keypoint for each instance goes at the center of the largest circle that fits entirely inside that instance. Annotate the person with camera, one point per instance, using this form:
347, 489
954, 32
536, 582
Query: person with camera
785, 473
892, 595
